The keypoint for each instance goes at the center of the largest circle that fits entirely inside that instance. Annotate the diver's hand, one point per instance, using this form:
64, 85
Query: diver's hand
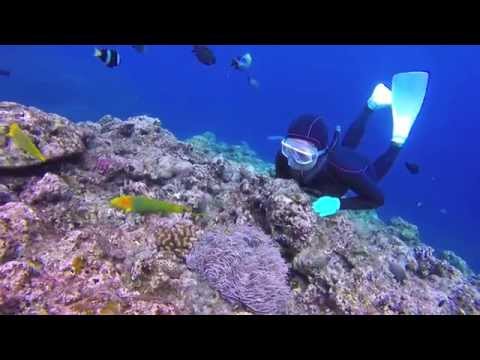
381, 97
326, 206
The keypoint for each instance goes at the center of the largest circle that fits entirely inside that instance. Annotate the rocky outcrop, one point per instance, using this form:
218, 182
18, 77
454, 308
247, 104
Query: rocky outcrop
55, 136
65, 250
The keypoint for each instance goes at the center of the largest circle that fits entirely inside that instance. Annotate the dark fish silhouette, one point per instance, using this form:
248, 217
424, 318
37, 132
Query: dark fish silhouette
139, 48
398, 271
412, 168
204, 55
4, 72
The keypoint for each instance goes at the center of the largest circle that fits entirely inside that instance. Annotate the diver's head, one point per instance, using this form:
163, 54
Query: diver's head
306, 143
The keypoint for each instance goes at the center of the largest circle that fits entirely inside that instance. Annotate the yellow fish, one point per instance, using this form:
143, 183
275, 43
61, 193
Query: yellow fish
144, 205
23, 141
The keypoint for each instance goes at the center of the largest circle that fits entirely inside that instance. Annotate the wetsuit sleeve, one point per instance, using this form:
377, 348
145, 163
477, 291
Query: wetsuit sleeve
369, 195
281, 166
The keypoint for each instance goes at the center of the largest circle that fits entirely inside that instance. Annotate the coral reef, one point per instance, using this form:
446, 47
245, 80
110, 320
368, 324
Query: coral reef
54, 135
50, 188
241, 154
244, 266
353, 271
405, 231
456, 261
252, 245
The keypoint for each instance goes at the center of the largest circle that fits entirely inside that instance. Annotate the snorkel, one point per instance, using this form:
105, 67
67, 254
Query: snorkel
335, 139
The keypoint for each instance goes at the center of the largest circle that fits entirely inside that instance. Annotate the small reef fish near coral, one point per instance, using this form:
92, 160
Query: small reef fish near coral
24, 142
145, 205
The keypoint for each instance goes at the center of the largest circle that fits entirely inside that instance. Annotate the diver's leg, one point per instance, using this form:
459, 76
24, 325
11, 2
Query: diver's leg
384, 163
380, 98
355, 132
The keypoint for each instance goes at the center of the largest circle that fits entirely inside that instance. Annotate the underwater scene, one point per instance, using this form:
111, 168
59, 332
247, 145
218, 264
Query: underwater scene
239, 180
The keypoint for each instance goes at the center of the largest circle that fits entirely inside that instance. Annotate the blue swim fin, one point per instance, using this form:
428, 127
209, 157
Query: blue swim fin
408, 93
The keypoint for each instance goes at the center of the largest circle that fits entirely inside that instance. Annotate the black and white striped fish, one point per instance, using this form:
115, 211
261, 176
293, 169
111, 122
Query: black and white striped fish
109, 57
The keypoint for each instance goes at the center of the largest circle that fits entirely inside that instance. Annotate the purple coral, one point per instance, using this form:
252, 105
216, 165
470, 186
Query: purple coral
244, 265
103, 165
106, 165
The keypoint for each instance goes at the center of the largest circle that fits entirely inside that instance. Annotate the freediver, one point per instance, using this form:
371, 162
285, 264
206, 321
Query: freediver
331, 169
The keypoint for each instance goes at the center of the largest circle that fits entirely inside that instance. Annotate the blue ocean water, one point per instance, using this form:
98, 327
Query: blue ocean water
335, 81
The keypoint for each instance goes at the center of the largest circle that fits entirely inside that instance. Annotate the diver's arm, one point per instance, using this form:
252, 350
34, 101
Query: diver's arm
370, 196
281, 166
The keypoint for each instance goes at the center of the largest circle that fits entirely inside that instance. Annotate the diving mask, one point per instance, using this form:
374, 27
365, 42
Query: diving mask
300, 151
302, 154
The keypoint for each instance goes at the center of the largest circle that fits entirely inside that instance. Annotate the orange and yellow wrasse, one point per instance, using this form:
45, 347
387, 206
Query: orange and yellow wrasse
23, 142
145, 205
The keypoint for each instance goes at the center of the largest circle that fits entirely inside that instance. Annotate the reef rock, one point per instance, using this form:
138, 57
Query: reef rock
55, 136
6, 195
456, 261
241, 154
19, 227
51, 188
251, 244
405, 231
347, 270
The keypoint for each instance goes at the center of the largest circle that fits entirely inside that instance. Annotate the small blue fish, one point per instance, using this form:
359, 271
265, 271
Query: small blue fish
253, 82
275, 138
242, 63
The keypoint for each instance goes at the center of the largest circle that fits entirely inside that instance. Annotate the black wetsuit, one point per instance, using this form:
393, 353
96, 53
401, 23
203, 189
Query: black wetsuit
345, 170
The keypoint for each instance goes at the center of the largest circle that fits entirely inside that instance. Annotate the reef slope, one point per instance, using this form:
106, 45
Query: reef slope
64, 250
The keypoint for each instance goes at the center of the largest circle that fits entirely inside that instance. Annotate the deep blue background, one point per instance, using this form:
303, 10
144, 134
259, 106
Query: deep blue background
335, 81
